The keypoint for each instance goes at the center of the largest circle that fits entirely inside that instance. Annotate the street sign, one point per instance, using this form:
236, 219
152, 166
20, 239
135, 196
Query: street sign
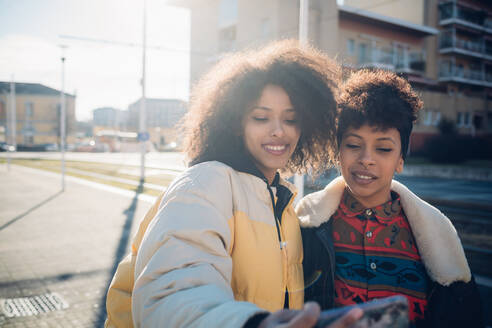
143, 136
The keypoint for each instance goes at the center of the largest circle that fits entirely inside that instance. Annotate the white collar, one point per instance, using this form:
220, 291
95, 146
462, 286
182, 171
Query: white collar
437, 241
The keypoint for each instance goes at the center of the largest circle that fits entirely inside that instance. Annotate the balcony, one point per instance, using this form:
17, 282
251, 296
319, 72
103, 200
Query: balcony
450, 43
452, 13
396, 59
454, 73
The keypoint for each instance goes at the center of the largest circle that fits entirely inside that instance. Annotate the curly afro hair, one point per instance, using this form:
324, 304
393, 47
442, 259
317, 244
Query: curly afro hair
222, 98
378, 98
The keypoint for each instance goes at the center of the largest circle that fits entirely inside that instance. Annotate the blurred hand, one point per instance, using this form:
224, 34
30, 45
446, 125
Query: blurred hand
307, 317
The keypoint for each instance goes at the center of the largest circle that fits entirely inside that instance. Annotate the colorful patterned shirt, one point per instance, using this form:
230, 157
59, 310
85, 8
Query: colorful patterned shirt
376, 255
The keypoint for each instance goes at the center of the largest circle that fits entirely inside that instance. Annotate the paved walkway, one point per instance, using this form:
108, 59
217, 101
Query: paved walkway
66, 243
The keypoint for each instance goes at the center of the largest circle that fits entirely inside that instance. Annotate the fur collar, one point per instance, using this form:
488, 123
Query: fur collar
436, 237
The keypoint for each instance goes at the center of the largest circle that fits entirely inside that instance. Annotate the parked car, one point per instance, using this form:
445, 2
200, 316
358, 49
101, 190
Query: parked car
90, 146
6, 147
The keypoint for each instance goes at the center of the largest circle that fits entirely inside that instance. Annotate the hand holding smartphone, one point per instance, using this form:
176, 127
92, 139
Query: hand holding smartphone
380, 313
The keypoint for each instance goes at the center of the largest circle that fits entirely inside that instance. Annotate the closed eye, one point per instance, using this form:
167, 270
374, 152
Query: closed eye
260, 119
386, 150
352, 146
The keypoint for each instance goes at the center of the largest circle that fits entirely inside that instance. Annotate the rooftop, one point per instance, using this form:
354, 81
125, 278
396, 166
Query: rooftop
385, 21
30, 89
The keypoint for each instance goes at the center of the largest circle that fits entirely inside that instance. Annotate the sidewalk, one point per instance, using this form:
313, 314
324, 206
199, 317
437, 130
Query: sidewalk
66, 243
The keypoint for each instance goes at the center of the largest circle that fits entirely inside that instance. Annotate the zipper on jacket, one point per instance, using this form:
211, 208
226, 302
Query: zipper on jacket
277, 225
282, 244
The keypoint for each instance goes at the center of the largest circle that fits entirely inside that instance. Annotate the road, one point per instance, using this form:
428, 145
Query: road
438, 188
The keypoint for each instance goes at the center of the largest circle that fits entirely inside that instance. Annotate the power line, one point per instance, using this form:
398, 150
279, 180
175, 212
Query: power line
129, 44
195, 52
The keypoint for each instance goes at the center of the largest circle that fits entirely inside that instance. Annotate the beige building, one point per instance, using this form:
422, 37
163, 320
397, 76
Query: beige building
464, 56
443, 47
37, 114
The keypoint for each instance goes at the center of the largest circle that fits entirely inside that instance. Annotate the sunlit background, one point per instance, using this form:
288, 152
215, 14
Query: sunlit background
103, 49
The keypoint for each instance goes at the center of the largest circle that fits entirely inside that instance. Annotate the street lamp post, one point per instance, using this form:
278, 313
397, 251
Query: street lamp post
62, 116
303, 40
12, 121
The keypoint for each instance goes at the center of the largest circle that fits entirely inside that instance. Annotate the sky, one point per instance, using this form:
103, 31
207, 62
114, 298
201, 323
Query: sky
100, 74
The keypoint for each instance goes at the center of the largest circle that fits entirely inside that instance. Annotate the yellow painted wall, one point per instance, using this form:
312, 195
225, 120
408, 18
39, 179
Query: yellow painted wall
44, 119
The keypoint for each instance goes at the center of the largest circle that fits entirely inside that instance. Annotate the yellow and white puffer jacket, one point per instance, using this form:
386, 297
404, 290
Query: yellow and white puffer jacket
211, 256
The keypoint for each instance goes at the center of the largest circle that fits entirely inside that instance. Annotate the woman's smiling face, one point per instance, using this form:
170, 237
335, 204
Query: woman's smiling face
271, 131
369, 157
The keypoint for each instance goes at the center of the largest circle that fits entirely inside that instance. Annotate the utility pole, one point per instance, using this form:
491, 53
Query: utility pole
303, 40
303, 21
62, 116
12, 122
142, 116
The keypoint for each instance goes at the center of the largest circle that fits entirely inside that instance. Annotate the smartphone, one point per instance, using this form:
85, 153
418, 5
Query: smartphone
379, 313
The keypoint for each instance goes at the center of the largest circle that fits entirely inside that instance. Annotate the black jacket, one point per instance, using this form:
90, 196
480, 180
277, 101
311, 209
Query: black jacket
456, 305
453, 297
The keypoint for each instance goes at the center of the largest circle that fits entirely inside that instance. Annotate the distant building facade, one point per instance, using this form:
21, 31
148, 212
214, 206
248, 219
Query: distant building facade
38, 113
109, 117
443, 47
162, 118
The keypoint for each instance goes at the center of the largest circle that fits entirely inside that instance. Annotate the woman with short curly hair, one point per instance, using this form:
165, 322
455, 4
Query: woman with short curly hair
222, 247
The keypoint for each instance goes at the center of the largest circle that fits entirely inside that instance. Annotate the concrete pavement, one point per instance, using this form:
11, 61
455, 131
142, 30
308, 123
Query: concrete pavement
66, 243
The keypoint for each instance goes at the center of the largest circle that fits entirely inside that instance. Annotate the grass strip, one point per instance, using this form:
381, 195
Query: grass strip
100, 168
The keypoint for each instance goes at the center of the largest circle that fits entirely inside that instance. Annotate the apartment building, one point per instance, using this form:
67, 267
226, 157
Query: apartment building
465, 59
458, 61
442, 47
37, 113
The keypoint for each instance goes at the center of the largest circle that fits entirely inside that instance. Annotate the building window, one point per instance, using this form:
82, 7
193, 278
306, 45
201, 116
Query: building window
363, 54
428, 118
466, 119
463, 119
460, 70
437, 118
460, 119
350, 47
29, 109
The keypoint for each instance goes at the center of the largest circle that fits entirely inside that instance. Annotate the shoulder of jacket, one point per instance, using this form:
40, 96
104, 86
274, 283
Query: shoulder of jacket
317, 208
208, 172
437, 240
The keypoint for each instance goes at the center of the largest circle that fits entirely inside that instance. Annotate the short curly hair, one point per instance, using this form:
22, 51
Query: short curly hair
222, 98
380, 99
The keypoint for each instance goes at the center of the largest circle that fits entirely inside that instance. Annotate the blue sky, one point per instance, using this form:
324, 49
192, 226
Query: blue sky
100, 74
